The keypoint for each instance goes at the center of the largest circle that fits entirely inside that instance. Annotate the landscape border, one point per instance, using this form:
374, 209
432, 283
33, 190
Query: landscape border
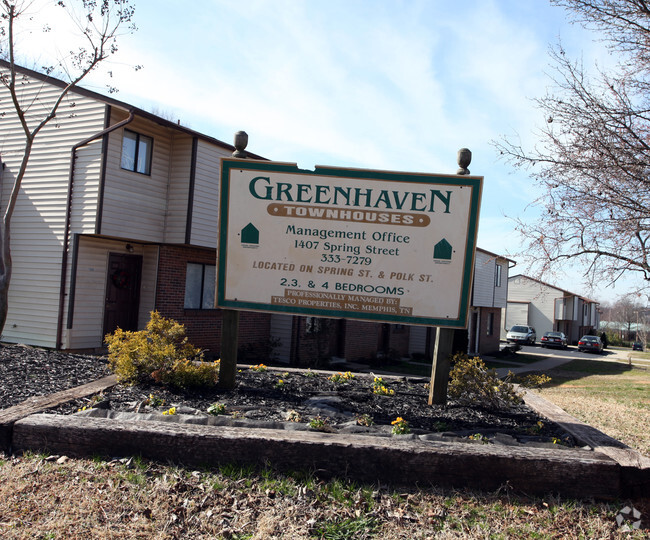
604, 469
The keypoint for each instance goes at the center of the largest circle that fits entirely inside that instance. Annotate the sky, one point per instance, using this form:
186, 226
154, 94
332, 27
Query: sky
377, 84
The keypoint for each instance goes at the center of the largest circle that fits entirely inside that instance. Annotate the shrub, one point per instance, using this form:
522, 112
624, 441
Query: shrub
159, 353
472, 384
533, 380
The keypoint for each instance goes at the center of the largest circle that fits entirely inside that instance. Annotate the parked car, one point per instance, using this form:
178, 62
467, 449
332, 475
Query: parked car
521, 334
590, 343
554, 339
637, 346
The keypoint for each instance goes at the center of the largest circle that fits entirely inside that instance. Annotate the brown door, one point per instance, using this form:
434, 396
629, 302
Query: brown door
122, 292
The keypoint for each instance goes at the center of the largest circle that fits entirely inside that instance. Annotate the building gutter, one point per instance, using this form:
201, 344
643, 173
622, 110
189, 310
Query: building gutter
68, 217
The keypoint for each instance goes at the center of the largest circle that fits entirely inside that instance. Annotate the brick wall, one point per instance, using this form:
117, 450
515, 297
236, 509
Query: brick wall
315, 345
399, 339
203, 326
361, 340
487, 343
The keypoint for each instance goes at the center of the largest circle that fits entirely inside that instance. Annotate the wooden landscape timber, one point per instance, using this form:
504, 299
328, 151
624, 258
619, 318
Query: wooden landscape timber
37, 404
572, 472
607, 470
635, 467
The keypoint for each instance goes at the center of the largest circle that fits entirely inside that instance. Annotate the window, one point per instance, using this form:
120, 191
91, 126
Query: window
312, 325
497, 276
490, 324
136, 152
199, 286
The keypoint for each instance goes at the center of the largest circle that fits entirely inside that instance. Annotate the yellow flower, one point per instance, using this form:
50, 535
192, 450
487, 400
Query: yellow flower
398, 420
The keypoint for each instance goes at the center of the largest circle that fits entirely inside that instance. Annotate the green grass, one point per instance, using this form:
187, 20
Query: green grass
608, 395
344, 529
607, 380
595, 367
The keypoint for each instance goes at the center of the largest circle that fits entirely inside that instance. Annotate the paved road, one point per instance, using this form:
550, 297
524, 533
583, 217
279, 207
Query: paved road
551, 358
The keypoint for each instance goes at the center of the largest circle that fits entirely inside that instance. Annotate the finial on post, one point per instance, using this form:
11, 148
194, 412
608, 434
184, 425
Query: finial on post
241, 141
464, 159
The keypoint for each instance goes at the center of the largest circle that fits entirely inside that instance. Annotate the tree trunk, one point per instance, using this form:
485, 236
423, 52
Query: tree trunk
5, 273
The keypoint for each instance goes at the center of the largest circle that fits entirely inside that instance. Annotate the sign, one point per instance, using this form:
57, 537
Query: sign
347, 243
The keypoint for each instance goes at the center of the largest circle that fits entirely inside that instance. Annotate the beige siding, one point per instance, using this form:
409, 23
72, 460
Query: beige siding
85, 197
149, 281
90, 290
417, 339
483, 292
281, 330
501, 293
517, 313
205, 209
38, 223
179, 186
541, 314
135, 205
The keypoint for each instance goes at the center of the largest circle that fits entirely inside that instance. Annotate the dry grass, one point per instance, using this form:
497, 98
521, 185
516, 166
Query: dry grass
612, 397
93, 499
82, 499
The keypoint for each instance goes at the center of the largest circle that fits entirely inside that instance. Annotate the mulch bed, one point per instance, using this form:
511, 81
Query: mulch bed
26, 372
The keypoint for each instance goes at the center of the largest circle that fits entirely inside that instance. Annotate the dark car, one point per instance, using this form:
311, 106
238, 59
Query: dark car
638, 346
554, 339
591, 344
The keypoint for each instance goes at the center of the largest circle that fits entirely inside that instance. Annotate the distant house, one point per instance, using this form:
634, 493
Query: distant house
548, 308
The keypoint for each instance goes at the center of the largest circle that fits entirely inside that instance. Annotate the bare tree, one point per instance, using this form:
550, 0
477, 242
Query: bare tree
626, 313
592, 161
100, 22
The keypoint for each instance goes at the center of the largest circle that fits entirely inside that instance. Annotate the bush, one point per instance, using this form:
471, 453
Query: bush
472, 384
159, 353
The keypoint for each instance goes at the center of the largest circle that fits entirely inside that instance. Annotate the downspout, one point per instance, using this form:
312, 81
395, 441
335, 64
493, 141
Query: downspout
477, 332
68, 218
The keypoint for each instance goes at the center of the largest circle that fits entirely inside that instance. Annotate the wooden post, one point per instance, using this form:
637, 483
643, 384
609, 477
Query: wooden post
441, 366
229, 343
230, 317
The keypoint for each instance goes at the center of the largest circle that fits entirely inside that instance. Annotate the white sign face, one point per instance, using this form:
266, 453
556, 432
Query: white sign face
351, 243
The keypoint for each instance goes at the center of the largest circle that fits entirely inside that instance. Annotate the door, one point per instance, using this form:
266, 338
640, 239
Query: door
122, 292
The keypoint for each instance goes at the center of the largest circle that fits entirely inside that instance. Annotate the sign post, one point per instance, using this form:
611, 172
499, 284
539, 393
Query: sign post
441, 364
230, 317
383, 246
